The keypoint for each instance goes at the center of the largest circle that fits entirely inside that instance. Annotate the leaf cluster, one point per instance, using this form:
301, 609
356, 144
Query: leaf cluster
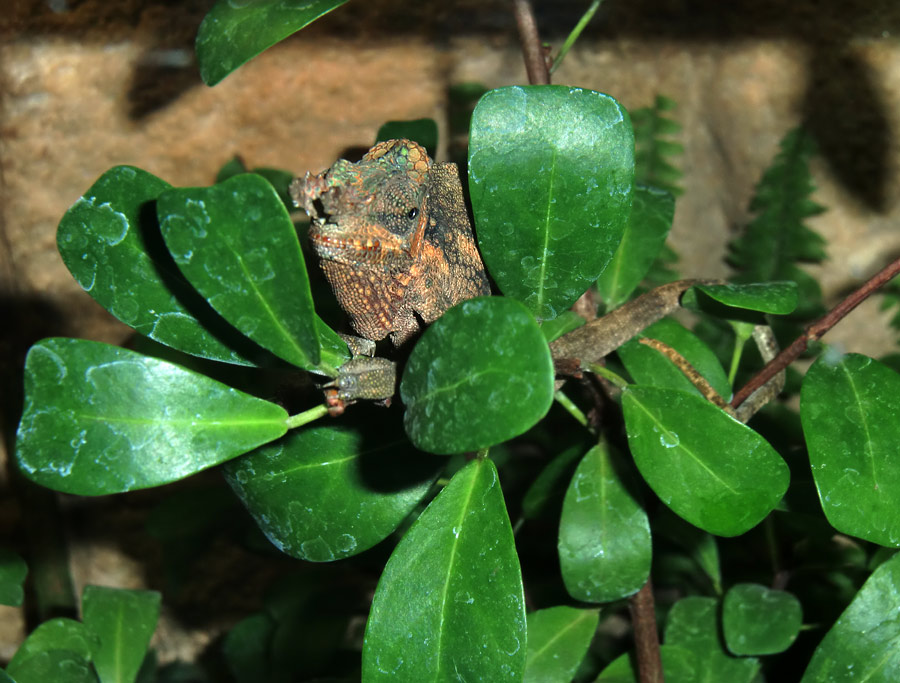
218, 276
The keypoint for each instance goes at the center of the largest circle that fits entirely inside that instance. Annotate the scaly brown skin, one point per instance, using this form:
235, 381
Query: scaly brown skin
393, 238
394, 241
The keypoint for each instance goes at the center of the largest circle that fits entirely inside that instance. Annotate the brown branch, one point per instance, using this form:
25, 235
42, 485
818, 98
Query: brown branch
816, 330
532, 50
646, 636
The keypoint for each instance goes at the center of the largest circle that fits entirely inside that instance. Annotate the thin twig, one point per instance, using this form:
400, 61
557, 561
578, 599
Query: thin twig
532, 50
646, 637
816, 330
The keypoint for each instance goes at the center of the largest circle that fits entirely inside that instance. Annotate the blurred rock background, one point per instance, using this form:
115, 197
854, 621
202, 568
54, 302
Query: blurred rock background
88, 84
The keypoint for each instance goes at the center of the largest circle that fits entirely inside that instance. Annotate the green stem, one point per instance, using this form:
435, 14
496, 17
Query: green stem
573, 36
574, 410
742, 332
301, 419
607, 374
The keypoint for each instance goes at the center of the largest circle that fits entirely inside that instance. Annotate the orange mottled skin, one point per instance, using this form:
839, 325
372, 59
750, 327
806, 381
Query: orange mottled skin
393, 238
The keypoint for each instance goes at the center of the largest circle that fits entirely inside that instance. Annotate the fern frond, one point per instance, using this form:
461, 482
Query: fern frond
652, 148
777, 239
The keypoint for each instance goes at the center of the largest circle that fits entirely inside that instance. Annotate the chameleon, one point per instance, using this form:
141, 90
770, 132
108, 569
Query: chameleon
393, 238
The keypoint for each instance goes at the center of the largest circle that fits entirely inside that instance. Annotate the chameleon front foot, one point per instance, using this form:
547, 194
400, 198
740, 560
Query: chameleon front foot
373, 379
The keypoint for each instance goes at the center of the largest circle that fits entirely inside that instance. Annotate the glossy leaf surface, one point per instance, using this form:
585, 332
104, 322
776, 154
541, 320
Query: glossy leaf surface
862, 644
562, 324
481, 374
558, 639
110, 242
650, 367
124, 620
55, 634
778, 298
235, 32
850, 410
551, 171
693, 624
450, 603
604, 536
760, 621
713, 471
236, 244
100, 419
13, 571
326, 492
645, 233
58, 666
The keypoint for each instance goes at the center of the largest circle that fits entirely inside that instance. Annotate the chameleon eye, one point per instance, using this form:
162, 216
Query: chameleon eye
413, 212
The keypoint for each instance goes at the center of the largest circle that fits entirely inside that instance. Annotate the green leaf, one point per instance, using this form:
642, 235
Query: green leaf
777, 239
450, 603
760, 621
562, 324
280, 180
235, 32
237, 245
246, 648
55, 634
862, 644
778, 298
850, 408
110, 242
604, 535
679, 666
58, 666
551, 170
124, 620
558, 639
713, 471
693, 624
5, 678
648, 366
423, 131
645, 233
545, 494
13, 571
99, 419
327, 492
481, 374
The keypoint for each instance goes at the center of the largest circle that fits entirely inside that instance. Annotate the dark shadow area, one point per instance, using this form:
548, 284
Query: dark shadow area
160, 78
845, 110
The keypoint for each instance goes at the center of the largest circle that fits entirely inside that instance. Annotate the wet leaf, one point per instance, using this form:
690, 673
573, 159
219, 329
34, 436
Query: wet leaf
693, 624
778, 298
850, 409
862, 644
650, 367
237, 245
604, 535
124, 620
760, 621
235, 32
551, 170
480, 375
55, 634
110, 242
59, 666
327, 492
645, 233
558, 639
713, 471
450, 602
99, 419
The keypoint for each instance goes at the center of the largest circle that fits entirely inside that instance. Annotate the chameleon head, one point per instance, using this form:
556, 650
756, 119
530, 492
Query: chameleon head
371, 213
